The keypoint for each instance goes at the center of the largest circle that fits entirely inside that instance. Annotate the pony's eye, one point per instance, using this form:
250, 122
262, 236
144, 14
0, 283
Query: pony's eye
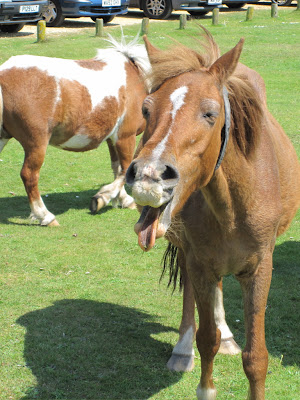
210, 117
145, 111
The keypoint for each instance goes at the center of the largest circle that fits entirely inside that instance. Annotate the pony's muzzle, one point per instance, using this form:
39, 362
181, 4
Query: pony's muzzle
152, 182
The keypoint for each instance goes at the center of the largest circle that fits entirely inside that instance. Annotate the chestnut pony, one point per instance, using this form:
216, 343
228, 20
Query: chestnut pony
74, 106
216, 175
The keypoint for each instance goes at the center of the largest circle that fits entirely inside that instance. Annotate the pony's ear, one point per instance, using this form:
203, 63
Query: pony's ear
224, 67
149, 47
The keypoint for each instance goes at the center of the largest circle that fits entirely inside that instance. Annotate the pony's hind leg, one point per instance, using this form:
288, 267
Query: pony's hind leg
115, 191
30, 175
228, 344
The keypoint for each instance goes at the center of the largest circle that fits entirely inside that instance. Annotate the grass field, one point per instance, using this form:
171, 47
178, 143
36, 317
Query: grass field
82, 313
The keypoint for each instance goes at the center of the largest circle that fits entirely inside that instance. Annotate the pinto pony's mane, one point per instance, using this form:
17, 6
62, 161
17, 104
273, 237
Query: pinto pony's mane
134, 52
245, 102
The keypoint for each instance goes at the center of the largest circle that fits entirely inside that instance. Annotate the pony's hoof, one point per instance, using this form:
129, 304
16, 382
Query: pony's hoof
96, 204
132, 206
229, 346
53, 223
180, 363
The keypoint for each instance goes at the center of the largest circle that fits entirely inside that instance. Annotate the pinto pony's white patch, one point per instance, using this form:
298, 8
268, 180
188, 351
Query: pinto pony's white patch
110, 79
76, 142
177, 99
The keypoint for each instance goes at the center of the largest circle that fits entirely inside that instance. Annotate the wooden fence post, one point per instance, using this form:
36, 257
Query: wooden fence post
274, 10
249, 14
99, 27
41, 31
182, 23
145, 26
215, 16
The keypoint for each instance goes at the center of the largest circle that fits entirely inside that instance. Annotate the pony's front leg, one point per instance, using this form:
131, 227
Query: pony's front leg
208, 337
183, 354
30, 175
115, 191
255, 355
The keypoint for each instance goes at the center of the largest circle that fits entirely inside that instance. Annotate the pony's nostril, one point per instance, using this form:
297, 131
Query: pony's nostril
170, 173
131, 173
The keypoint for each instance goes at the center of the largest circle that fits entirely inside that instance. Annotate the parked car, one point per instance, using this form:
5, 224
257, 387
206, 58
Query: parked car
58, 10
14, 14
162, 9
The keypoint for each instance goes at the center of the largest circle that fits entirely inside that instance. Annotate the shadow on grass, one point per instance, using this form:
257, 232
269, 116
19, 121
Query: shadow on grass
82, 349
282, 313
57, 203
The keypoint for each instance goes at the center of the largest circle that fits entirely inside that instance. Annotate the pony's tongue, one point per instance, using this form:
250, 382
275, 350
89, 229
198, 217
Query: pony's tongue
147, 232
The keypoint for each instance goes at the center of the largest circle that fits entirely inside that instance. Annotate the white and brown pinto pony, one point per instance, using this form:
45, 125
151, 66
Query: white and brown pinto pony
219, 178
74, 106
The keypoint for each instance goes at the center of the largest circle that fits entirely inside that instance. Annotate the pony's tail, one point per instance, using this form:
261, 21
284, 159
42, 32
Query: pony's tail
170, 262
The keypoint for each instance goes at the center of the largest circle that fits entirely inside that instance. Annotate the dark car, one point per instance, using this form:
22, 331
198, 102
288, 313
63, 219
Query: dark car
14, 13
162, 9
58, 10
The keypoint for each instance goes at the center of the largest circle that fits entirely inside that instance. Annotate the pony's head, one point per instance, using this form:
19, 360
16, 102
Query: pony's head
185, 115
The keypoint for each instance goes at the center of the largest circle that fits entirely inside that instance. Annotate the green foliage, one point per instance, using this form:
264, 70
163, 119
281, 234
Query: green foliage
82, 313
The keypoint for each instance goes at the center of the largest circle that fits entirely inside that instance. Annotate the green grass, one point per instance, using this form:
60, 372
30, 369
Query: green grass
82, 313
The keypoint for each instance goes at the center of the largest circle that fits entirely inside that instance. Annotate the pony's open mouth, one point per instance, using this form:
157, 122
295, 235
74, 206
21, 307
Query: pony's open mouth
147, 228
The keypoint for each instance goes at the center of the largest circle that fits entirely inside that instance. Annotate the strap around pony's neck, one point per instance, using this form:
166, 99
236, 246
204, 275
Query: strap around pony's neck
225, 129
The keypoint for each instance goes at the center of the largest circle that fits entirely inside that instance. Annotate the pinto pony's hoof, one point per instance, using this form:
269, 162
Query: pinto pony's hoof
53, 223
229, 346
180, 363
132, 206
96, 204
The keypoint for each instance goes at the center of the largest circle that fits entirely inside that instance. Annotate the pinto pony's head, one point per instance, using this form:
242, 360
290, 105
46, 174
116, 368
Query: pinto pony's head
185, 115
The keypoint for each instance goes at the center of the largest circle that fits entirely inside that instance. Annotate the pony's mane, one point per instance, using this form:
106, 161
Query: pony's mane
246, 109
134, 52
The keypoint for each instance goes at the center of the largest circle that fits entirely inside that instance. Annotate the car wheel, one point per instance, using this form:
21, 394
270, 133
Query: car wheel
235, 5
11, 28
106, 19
197, 14
53, 15
157, 9
282, 2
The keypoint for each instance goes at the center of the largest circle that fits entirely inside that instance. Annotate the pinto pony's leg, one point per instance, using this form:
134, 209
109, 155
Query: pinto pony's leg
3, 142
228, 344
183, 354
114, 191
255, 354
30, 175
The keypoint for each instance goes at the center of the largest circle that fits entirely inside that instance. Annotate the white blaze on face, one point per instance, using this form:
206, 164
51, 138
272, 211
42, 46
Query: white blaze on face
177, 100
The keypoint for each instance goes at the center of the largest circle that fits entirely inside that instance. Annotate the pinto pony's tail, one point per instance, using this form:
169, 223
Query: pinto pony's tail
170, 262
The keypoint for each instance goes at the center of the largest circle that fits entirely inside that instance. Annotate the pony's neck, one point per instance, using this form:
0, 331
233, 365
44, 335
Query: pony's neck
225, 197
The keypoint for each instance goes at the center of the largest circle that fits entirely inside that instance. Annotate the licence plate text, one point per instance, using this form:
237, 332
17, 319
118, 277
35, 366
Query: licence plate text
111, 3
29, 9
